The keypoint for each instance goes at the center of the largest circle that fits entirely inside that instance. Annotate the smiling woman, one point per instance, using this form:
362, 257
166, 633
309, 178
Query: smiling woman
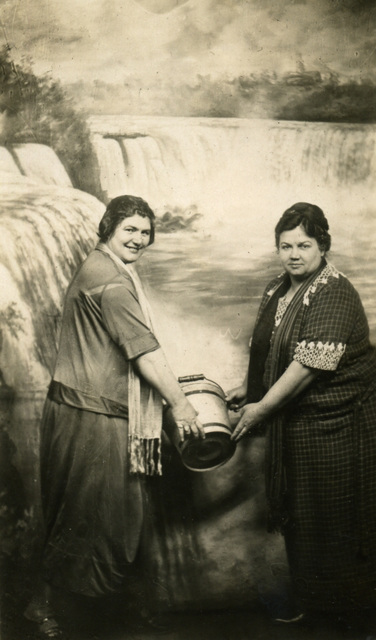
130, 239
102, 420
127, 236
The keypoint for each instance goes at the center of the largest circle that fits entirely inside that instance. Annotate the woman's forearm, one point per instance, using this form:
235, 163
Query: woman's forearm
155, 369
295, 379
292, 382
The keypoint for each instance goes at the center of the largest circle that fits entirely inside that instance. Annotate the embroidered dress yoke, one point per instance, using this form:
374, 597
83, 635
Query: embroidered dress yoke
321, 449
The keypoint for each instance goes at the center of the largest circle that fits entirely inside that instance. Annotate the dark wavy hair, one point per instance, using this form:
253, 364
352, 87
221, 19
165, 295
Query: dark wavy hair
311, 218
124, 207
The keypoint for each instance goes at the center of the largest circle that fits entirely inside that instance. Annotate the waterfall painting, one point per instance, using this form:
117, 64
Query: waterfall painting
220, 114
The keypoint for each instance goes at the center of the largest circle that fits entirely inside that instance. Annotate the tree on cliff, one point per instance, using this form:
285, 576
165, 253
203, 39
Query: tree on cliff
37, 109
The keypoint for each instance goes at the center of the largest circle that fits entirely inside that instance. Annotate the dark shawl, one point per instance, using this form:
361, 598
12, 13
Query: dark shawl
257, 385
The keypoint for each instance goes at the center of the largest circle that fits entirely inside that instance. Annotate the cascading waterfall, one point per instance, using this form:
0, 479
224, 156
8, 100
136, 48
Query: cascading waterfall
247, 166
46, 232
7, 163
36, 161
111, 164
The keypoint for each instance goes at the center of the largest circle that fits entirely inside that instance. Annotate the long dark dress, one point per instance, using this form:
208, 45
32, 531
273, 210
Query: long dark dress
321, 450
93, 506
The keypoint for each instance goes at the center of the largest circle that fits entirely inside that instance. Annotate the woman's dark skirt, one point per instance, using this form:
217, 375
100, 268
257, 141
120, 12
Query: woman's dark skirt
93, 508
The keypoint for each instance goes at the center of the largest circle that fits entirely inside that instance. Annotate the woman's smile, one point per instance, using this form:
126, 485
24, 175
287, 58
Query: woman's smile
131, 238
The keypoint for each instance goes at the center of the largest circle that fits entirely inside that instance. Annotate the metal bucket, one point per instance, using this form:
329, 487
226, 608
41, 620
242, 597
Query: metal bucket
208, 399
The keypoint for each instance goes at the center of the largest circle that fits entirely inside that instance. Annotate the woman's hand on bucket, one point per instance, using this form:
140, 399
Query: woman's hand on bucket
185, 416
251, 416
235, 398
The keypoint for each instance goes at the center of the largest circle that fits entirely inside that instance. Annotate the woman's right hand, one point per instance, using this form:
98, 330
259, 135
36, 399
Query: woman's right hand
250, 416
236, 398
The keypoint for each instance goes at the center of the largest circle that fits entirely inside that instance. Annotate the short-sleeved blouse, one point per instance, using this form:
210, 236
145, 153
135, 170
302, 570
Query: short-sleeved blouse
103, 328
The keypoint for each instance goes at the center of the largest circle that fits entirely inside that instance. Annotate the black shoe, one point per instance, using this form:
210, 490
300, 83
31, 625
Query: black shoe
47, 629
44, 624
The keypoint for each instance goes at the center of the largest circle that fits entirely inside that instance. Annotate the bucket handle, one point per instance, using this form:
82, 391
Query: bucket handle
194, 378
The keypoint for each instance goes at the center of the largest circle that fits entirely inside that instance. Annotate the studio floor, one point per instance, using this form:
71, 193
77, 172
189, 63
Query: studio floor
112, 622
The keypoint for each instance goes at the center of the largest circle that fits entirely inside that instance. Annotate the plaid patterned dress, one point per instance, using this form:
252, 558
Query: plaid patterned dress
321, 450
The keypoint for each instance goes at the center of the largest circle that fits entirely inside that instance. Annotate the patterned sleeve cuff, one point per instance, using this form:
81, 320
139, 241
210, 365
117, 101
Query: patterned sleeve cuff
319, 355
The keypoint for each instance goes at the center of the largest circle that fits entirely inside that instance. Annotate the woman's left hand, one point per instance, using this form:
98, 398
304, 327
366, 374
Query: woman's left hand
187, 422
251, 415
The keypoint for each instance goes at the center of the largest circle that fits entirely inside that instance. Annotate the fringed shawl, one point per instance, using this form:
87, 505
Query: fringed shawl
145, 419
257, 385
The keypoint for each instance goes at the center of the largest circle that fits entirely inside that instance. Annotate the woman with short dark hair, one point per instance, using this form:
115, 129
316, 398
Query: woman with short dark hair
124, 207
312, 381
102, 420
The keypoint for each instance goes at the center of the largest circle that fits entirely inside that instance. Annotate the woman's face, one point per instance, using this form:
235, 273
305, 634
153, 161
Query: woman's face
300, 254
131, 238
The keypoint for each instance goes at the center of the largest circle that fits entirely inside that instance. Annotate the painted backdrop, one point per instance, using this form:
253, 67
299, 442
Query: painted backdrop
218, 187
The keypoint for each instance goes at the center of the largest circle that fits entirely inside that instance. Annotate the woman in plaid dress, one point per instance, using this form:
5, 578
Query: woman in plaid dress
312, 381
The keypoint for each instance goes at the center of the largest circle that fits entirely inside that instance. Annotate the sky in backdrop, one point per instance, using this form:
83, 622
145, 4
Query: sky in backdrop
166, 40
